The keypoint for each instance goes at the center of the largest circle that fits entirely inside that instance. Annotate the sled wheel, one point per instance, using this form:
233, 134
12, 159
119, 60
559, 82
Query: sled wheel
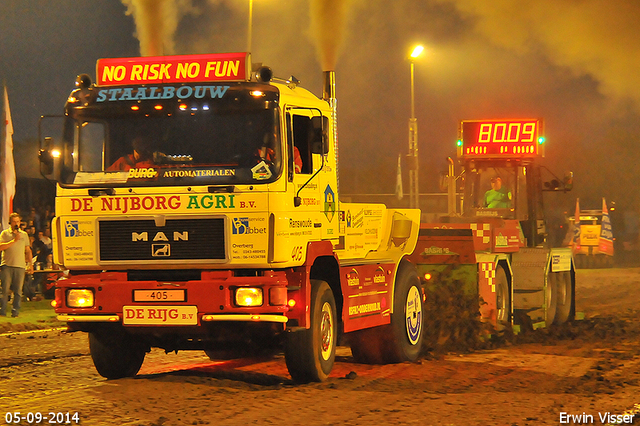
310, 353
564, 297
550, 298
116, 355
503, 305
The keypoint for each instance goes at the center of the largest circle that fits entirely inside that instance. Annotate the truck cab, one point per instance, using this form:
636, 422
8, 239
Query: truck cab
198, 207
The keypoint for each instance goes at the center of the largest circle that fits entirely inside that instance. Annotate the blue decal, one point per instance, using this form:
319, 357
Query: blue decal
329, 203
240, 225
71, 228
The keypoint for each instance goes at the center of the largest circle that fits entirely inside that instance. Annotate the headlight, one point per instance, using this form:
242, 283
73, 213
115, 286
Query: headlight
80, 298
246, 296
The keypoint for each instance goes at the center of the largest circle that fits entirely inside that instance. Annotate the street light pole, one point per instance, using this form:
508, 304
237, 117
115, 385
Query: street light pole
250, 26
414, 200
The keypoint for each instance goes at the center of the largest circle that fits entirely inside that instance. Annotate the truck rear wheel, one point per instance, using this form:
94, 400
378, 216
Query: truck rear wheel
310, 353
116, 355
564, 298
407, 322
401, 340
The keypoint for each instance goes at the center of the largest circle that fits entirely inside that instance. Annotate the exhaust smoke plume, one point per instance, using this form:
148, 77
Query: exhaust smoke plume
327, 26
589, 37
156, 23
572, 62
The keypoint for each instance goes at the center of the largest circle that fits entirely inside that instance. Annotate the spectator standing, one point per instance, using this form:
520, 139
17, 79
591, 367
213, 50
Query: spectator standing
16, 261
34, 218
34, 285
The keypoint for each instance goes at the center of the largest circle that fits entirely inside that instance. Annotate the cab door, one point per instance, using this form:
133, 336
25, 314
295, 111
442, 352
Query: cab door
311, 170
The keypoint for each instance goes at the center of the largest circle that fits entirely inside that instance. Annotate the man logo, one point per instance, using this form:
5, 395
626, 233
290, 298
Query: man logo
71, 228
161, 250
240, 225
159, 236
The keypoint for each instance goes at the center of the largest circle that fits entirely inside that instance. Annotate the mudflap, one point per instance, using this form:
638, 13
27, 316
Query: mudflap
446, 263
531, 294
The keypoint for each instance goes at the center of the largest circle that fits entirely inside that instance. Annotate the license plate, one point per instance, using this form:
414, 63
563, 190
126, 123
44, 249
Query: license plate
160, 315
158, 295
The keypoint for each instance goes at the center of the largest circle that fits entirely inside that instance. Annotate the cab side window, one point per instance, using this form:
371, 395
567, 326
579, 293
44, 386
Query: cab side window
299, 132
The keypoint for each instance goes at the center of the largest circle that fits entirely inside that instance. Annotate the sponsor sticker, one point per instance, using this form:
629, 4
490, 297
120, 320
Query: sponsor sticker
160, 315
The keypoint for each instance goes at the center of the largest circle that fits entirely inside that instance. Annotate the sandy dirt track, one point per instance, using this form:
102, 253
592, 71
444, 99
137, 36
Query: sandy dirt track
591, 368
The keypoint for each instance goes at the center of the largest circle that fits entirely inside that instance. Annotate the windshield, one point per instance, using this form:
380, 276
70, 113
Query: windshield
230, 139
491, 191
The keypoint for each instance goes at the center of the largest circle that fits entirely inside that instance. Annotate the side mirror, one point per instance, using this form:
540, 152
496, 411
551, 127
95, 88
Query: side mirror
46, 157
552, 185
319, 139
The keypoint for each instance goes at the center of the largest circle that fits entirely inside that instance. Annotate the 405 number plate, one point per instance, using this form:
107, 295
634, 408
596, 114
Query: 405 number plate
159, 296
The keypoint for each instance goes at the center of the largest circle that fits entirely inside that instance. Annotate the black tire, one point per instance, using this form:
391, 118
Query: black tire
116, 355
550, 298
310, 353
503, 300
402, 339
407, 321
565, 297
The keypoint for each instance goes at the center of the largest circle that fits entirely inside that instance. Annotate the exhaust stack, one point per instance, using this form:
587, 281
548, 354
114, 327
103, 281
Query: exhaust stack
329, 85
329, 95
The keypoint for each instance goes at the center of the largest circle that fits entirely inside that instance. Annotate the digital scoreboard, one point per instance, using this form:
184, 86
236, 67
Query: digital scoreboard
511, 138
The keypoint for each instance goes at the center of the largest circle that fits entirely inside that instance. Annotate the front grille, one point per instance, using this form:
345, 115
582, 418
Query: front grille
181, 239
170, 275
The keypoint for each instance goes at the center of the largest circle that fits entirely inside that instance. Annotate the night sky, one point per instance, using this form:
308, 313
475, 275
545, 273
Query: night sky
574, 63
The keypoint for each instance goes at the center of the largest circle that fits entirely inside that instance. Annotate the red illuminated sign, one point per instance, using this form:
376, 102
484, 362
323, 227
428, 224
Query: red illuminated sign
500, 138
173, 69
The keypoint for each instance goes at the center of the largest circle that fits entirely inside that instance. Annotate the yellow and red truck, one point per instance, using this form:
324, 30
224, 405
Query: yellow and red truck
198, 208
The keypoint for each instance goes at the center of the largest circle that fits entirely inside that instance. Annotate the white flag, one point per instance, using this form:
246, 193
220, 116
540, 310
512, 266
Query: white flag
7, 166
399, 193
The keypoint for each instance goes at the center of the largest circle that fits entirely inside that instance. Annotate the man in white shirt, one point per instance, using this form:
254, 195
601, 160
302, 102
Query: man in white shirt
16, 260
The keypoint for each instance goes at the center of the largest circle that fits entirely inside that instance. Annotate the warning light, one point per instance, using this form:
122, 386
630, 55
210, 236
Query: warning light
427, 276
291, 303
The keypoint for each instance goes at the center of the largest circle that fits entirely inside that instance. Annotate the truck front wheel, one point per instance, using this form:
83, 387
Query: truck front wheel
116, 355
310, 354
